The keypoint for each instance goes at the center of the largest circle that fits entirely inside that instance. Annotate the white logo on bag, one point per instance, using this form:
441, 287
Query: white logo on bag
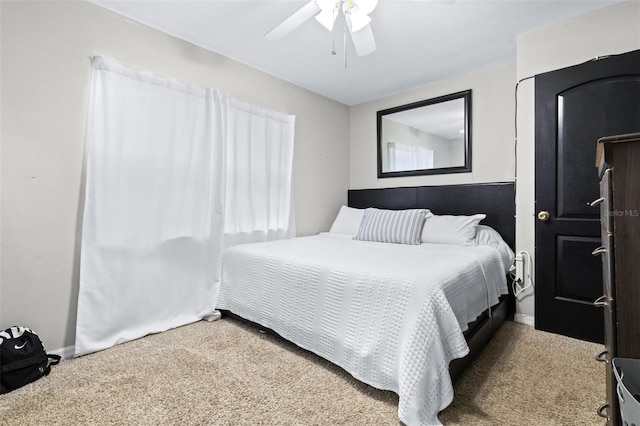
19, 331
20, 347
13, 332
4, 335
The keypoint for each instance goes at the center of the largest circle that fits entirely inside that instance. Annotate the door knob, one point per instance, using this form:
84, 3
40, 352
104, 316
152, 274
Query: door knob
543, 216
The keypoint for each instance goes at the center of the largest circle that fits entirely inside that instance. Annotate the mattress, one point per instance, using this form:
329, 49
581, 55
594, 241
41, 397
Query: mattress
391, 315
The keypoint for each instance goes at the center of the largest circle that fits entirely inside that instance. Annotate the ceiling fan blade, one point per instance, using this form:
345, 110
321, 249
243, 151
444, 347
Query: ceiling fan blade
363, 41
294, 21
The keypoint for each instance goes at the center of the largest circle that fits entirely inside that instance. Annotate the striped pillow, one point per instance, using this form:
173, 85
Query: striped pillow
392, 226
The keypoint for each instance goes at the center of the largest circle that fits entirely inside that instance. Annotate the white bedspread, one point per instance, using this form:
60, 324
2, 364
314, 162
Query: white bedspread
391, 315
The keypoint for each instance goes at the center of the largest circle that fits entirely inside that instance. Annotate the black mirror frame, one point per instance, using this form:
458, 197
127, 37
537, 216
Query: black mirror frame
466, 95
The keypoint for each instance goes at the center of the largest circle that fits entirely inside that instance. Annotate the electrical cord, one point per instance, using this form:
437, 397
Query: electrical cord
515, 118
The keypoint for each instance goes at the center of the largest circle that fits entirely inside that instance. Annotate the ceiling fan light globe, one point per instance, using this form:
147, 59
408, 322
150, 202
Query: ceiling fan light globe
356, 19
327, 18
366, 6
327, 5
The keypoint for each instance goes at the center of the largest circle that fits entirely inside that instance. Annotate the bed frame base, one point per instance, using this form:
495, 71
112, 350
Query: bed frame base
480, 332
477, 336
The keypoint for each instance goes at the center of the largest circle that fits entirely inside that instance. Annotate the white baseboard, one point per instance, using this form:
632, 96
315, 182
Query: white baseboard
65, 353
524, 319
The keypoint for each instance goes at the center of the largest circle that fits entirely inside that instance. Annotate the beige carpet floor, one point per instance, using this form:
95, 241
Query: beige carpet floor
228, 373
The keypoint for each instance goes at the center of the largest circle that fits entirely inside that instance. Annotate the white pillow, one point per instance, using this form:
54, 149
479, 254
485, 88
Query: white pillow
446, 229
487, 236
348, 221
392, 226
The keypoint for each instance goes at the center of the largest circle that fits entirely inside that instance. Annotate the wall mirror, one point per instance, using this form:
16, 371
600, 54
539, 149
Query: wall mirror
426, 137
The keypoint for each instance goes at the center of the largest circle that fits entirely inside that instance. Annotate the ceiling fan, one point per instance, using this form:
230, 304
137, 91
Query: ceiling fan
356, 14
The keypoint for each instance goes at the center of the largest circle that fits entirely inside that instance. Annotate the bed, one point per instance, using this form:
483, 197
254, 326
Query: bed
392, 315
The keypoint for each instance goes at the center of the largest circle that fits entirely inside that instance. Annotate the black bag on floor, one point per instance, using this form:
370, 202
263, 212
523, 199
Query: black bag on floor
22, 358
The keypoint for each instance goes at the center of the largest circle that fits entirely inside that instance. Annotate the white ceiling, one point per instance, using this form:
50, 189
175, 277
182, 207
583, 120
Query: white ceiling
419, 41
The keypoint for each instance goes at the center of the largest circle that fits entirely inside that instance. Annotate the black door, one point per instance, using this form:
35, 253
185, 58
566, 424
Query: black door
575, 107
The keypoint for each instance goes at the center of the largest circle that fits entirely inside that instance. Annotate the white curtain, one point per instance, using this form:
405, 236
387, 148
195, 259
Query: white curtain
156, 198
259, 205
408, 157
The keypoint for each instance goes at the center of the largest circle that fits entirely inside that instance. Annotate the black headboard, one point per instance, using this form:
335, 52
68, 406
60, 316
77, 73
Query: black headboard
496, 200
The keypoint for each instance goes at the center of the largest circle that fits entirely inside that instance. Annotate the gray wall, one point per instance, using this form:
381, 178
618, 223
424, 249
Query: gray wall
46, 75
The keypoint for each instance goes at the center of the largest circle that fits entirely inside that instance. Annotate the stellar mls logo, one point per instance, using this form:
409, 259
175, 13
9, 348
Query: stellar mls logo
624, 213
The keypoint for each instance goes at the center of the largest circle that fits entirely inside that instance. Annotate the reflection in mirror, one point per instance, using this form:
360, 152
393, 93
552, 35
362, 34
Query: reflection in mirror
426, 137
